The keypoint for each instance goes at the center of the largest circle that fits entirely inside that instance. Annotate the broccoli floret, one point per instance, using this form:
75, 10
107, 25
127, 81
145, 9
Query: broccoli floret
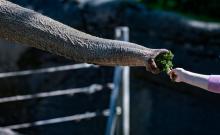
164, 61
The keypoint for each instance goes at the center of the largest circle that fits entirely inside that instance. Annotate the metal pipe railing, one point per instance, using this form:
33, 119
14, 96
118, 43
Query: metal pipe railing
76, 117
86, 90
125, 88
46, 70
121, 80
111, 124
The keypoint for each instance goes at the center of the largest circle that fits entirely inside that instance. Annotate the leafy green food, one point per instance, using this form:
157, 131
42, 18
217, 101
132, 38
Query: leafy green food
164, 61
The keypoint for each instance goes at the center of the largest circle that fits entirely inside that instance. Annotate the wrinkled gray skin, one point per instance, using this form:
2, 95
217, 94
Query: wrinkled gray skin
24, 26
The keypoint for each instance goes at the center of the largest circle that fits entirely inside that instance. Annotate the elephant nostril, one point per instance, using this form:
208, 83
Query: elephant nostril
152, 66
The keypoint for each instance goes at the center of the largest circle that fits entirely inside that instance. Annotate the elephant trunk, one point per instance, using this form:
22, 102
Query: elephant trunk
24, 26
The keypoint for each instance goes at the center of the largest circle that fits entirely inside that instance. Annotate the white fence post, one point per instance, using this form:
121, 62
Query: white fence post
122, 33
121, 80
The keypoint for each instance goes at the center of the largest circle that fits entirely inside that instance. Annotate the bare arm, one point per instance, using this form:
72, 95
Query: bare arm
191, 78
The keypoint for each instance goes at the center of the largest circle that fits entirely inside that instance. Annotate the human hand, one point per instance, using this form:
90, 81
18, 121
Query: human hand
177, 74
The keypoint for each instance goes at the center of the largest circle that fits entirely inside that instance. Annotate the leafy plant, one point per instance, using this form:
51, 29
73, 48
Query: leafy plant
164, 61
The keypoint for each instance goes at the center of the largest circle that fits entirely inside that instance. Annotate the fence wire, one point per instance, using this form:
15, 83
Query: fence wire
76, 118
87, 90
46, 70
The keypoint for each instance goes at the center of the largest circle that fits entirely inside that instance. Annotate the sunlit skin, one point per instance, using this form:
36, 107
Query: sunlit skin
195, 79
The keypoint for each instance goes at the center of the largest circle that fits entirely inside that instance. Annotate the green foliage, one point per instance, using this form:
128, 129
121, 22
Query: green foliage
164, 61
205, 10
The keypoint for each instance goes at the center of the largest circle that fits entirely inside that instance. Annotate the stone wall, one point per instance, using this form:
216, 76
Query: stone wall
158, 105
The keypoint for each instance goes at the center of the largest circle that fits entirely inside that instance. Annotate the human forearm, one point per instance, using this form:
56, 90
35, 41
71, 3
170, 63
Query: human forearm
195, 79
207, 82
198, 80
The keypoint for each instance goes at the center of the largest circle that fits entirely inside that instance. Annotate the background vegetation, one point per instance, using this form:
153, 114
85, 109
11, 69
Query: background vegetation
205, 10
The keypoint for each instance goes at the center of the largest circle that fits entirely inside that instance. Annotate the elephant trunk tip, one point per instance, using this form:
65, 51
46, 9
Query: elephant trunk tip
160, 60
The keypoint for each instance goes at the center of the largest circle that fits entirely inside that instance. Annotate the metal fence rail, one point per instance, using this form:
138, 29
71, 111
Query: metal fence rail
121, 83
111, 124
87, 90
46, 70
77, 118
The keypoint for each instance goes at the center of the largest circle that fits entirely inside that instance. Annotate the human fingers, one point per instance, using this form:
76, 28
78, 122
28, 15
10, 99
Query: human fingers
173, 75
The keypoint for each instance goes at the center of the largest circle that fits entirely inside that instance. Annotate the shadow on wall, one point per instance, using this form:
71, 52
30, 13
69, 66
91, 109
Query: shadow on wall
9, 55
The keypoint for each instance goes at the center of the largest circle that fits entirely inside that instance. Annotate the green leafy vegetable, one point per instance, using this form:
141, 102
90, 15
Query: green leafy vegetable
164, 61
